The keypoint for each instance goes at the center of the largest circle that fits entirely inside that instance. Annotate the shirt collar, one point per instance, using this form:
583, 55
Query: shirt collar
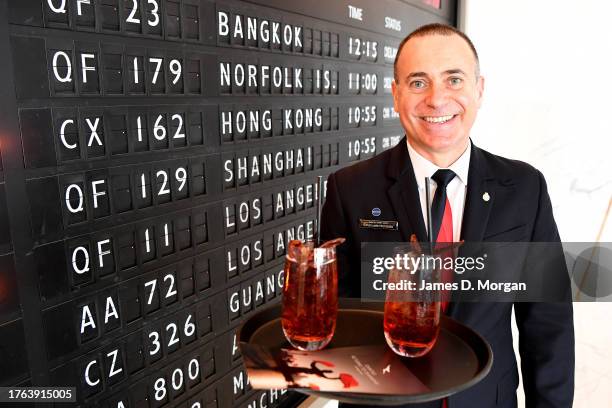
424, 168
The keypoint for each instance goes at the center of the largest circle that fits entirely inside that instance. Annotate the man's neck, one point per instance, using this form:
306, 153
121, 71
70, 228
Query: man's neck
440, 159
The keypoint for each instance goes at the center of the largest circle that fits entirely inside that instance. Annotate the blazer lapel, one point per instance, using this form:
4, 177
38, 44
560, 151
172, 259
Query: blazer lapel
404, 194
479, 199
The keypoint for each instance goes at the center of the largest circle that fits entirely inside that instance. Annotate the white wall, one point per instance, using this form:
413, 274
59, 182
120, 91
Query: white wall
548, 101
548, 87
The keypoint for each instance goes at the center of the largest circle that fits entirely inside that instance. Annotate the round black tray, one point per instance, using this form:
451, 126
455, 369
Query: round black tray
460, 358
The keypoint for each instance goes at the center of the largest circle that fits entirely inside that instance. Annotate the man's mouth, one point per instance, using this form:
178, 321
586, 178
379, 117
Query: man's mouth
437, 119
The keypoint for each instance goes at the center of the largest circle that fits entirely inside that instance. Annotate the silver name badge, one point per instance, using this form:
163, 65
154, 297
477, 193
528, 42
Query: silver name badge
378, 224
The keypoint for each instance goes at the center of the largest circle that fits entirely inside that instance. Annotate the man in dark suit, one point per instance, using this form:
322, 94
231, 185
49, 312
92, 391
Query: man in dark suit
437, 93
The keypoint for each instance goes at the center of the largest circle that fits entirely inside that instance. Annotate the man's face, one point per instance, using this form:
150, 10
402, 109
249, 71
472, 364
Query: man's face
437, 94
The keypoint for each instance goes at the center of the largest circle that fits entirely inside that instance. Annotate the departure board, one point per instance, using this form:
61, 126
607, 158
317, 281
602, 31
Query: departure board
157, 156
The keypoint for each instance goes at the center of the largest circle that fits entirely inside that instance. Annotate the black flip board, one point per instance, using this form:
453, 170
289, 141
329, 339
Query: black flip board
156, 158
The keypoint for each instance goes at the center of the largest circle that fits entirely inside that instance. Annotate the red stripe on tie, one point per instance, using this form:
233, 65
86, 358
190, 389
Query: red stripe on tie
445, 236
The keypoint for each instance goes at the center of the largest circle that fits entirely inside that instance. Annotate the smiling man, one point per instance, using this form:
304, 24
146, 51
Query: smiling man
437, 92
477, 197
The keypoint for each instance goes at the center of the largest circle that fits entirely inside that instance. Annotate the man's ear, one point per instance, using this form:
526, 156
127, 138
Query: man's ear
480, 89
394, 91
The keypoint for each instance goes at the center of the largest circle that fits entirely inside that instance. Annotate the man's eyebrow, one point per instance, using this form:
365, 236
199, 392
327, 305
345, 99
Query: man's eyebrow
416, 74
454, 71
424, 75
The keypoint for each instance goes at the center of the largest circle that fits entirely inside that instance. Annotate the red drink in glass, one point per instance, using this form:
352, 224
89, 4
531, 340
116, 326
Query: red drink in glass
412, 317
310, 295
411, 328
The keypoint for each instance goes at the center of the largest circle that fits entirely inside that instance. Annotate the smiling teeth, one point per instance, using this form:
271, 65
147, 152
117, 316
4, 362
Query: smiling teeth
437, 119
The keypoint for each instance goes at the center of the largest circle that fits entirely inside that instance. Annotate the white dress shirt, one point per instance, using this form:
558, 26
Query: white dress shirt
456, 189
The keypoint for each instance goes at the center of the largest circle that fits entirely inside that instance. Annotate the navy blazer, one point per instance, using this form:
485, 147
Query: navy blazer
519, 209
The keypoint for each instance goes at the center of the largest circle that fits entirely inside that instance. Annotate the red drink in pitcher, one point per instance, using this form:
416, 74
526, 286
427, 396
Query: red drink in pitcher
310, 295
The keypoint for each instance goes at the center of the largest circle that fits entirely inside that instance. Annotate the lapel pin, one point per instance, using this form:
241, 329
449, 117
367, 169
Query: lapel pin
376, 211
486, 196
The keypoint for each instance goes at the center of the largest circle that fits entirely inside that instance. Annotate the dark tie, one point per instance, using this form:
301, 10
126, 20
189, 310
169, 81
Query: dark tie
442, 220
442, 178
442, 216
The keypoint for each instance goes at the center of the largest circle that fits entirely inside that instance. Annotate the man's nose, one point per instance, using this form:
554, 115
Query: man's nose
437, 96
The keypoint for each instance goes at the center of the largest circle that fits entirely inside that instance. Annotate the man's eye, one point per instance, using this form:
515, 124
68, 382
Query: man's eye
417, 84
456, 81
